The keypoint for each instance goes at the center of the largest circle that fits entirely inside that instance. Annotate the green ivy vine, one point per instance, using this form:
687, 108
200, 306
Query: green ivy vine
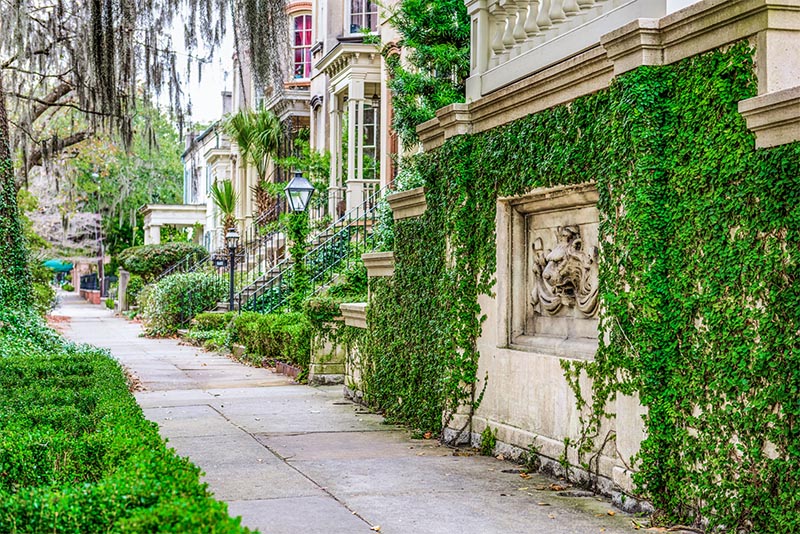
699, 280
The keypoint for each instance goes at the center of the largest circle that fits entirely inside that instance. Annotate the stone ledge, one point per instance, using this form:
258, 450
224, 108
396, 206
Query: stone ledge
407, 204
355, 314
774, 25
773, 117
379, 263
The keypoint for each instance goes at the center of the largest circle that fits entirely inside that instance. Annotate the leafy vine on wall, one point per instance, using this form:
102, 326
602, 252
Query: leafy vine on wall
698, 274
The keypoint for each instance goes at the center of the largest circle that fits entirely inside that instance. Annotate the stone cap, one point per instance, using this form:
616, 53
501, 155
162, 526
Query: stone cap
407, 204
355, 314
773, 117
379, 263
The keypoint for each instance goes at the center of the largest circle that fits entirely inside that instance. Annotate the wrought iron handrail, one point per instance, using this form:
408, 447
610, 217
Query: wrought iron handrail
333, 247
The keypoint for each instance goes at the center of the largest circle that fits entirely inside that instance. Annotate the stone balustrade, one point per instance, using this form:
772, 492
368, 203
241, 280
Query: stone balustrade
512, 39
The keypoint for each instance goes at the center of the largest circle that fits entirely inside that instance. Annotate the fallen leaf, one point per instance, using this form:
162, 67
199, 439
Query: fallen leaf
526, 476
611, 513
427, 435
551, 516
523, 489
376, 528
557, 487
501, 457
543, 503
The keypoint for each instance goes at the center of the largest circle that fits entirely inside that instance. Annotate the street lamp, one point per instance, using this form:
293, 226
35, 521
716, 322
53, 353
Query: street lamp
298, 192
231, 241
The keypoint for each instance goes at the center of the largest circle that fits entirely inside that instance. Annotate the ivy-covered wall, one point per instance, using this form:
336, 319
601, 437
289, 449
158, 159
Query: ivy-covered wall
699, 276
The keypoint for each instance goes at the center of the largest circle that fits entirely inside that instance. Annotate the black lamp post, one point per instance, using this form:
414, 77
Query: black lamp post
231, 241
298, 192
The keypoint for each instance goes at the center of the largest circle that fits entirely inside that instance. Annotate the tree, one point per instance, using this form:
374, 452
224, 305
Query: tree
434, 74
93, 58
258, 134
225, 199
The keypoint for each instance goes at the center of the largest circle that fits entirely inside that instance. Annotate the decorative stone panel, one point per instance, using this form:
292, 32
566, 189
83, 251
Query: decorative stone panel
407, 204
547, 248
354, 314
379, 263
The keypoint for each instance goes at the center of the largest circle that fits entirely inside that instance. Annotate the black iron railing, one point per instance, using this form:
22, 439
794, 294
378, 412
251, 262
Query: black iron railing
331, 251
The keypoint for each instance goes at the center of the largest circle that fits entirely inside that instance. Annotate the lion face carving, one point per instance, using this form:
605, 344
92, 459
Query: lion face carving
565, 275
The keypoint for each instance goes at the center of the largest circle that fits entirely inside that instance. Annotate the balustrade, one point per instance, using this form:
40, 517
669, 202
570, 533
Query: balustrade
504, 30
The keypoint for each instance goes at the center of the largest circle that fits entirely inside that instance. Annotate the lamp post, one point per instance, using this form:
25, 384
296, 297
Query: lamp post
231, 241
298, 193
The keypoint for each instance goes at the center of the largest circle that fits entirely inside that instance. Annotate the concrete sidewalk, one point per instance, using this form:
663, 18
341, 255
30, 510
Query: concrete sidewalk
295, 459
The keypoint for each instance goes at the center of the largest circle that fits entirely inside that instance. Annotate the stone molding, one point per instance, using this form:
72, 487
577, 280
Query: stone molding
774, 117
379, 264
354, 314
772, 25
407, 204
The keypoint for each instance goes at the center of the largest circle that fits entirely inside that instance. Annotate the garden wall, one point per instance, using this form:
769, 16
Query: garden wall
697, 233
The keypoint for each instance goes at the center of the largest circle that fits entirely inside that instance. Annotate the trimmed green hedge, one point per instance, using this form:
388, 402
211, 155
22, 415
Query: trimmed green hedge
149, 261
212, 321
279, 336
173, 301
76, 453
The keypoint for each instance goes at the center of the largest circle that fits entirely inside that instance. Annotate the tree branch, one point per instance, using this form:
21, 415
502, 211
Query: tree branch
46, 105
36, 157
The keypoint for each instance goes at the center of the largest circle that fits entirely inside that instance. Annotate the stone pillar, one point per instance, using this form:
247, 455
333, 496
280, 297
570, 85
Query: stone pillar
152, 234
122, 290
777, 57
335, 142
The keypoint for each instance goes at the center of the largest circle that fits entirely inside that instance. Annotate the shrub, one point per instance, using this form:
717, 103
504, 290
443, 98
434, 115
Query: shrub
212, 321
175, 300
76, 453
279, 336
69, 288
110, 304
148, 261
135, 285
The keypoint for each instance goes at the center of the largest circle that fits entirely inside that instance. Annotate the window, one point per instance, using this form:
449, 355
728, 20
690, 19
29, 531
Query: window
370, 143
363, 16
301, 47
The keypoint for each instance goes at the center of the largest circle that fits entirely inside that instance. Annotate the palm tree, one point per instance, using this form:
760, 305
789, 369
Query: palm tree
225, 199
258, 134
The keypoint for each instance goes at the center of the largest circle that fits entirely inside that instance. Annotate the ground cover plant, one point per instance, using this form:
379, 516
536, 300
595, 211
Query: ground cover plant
76, 453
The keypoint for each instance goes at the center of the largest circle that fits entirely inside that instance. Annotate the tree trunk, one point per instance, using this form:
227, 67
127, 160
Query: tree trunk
15, 278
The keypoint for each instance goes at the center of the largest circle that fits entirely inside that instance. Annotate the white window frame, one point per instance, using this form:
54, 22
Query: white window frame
349, 20
307, 47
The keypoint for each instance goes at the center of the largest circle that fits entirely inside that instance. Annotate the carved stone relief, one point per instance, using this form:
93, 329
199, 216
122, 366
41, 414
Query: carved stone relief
564, 276
549, 263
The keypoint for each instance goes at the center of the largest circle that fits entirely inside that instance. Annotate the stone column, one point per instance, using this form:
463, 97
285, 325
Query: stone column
122, 290
152, 234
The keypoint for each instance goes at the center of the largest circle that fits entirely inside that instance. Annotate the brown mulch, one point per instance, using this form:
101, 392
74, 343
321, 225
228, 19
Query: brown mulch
134, 383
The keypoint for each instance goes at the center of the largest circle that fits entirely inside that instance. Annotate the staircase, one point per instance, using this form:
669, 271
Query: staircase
330, 251
263, 272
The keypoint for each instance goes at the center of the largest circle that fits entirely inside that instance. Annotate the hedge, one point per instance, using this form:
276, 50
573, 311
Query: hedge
149, 261
280, 336
76, 453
